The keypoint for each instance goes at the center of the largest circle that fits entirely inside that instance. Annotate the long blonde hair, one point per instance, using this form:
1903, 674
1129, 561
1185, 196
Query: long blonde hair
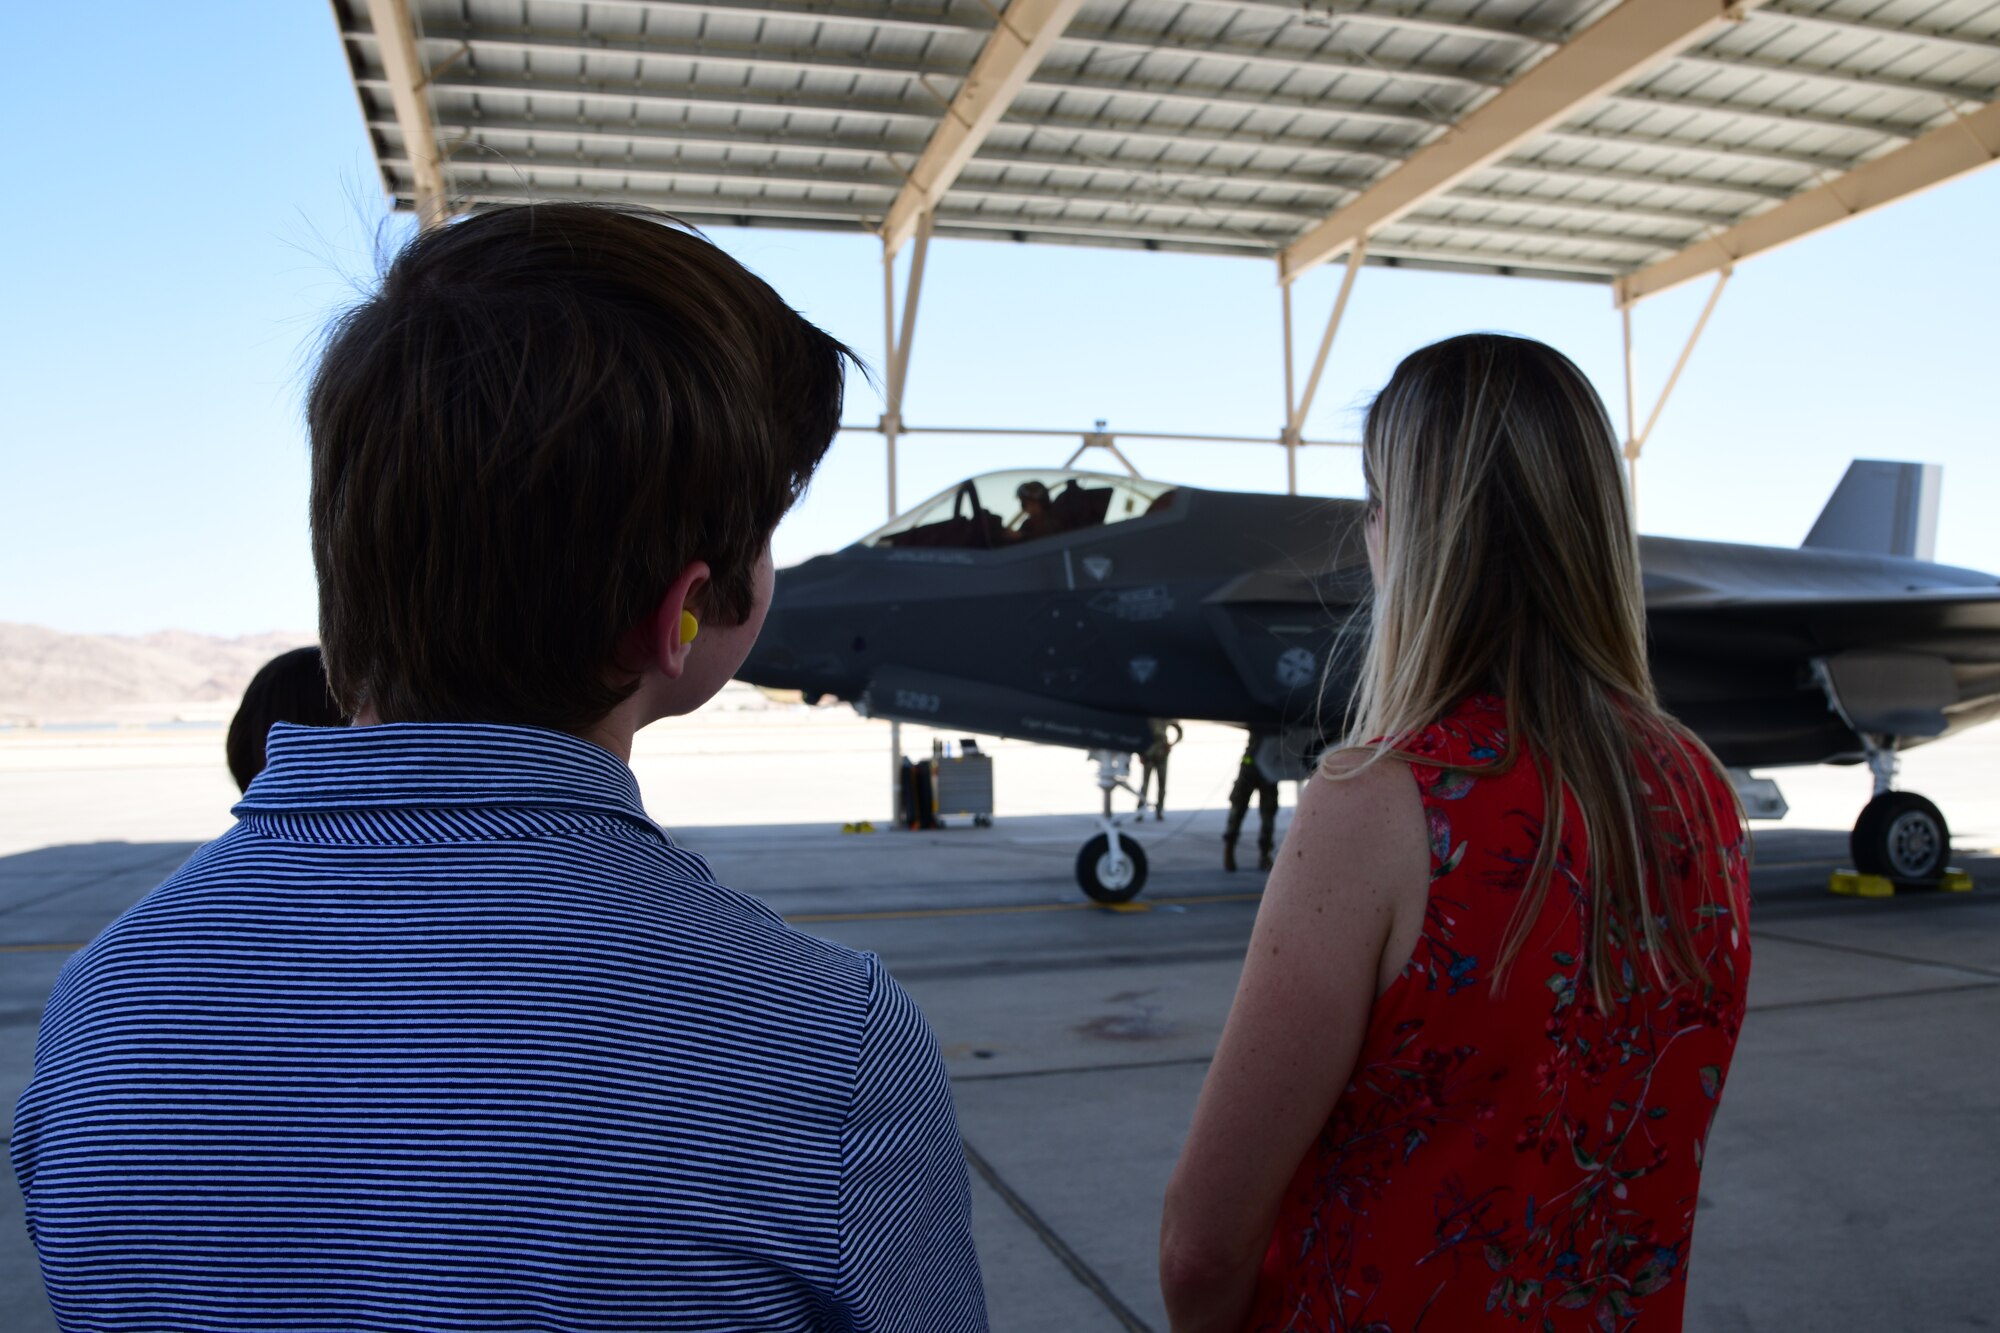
1508, 565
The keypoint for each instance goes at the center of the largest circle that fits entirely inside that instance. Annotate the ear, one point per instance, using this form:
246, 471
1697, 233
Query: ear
666, 647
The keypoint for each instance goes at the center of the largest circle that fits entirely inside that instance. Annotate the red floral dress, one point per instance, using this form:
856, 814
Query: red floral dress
1519, 1160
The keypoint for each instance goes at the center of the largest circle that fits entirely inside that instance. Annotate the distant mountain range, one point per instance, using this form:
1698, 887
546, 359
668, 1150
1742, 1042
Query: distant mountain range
49, 676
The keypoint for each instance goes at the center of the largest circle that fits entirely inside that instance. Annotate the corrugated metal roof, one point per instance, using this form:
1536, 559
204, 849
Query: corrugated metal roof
1229, 126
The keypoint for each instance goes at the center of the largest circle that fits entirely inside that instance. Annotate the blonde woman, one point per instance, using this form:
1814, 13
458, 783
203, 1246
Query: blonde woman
1498, 973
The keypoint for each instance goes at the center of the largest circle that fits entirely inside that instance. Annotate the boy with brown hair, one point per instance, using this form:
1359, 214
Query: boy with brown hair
446, 1033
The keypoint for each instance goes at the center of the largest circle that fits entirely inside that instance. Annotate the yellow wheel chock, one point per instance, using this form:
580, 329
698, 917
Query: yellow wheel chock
1853, 884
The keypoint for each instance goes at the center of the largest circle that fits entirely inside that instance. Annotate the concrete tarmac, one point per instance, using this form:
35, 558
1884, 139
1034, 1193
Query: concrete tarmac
1850, 1179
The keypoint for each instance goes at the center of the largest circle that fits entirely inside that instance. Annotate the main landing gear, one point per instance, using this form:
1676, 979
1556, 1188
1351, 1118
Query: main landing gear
1111, 868
1899, 836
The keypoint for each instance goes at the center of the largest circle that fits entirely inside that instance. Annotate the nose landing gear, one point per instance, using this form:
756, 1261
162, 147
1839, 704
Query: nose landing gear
1111, 868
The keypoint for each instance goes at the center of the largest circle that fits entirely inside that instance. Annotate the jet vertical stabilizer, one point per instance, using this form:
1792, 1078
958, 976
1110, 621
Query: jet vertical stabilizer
1881, 508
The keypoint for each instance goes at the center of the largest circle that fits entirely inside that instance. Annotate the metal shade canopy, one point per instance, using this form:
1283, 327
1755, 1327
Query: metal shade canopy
1640, 143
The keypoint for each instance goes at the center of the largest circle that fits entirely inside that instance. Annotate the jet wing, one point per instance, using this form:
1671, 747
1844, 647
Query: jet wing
1952, 621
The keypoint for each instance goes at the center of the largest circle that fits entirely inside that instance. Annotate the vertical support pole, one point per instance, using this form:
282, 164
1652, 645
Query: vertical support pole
896, 346
1291, 436
897, 342
1631, 419
892, 424
1296, 419
1637, 443
892, 420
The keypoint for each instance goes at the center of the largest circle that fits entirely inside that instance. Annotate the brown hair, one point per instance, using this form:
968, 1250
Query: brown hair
291, 687
541, 417
1509, 565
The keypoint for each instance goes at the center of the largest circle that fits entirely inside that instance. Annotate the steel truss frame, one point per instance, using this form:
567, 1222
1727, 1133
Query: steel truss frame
1594, 65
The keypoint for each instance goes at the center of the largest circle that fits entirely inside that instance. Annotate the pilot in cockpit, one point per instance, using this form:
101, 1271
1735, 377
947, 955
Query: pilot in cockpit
1037, 517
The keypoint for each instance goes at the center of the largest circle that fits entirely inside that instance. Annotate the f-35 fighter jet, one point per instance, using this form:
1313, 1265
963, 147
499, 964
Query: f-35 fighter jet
1073, 608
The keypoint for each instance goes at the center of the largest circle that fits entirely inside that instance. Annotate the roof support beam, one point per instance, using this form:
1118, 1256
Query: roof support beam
407, 76
1967, 143
1027, 31
1632, 38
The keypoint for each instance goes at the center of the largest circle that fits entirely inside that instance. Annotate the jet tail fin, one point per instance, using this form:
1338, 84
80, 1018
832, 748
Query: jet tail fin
1881, 508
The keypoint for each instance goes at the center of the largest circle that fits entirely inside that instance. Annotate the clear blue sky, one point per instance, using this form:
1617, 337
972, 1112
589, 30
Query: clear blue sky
195, 194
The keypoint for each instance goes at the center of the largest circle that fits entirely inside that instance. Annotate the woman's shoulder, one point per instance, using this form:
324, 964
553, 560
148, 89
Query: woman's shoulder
1360, 812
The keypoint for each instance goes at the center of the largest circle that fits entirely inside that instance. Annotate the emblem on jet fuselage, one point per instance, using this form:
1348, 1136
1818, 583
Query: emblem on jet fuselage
1296, 667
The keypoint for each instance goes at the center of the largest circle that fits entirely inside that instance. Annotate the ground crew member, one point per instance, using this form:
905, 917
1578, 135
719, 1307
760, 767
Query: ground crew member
1250, 780
1153, 766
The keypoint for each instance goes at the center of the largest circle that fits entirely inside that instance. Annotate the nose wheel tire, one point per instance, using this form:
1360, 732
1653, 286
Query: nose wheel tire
1105, 882
1902, 837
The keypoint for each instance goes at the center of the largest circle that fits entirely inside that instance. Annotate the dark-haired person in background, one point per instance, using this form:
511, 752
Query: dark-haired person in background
291, 687
446, 1033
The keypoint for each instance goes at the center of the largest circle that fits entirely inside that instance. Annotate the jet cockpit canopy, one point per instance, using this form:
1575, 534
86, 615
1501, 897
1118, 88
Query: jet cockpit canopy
1004, 509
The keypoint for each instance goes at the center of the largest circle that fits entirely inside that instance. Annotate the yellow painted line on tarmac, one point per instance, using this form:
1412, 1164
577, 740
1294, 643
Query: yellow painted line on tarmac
1017, 909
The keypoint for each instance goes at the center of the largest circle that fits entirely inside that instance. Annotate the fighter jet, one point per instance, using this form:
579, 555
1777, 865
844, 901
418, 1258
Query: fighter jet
1074, 608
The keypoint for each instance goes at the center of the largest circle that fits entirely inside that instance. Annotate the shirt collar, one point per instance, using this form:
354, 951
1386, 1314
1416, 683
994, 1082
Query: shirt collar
414, 765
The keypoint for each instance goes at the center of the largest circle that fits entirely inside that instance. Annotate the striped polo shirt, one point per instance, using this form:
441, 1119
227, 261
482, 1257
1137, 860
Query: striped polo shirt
447, 1034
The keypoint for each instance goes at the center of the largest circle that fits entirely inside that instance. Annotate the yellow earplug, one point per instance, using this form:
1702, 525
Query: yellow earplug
689, 627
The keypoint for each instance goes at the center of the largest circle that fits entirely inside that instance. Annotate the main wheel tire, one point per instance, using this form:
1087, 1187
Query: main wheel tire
1100, 881
1902, 837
